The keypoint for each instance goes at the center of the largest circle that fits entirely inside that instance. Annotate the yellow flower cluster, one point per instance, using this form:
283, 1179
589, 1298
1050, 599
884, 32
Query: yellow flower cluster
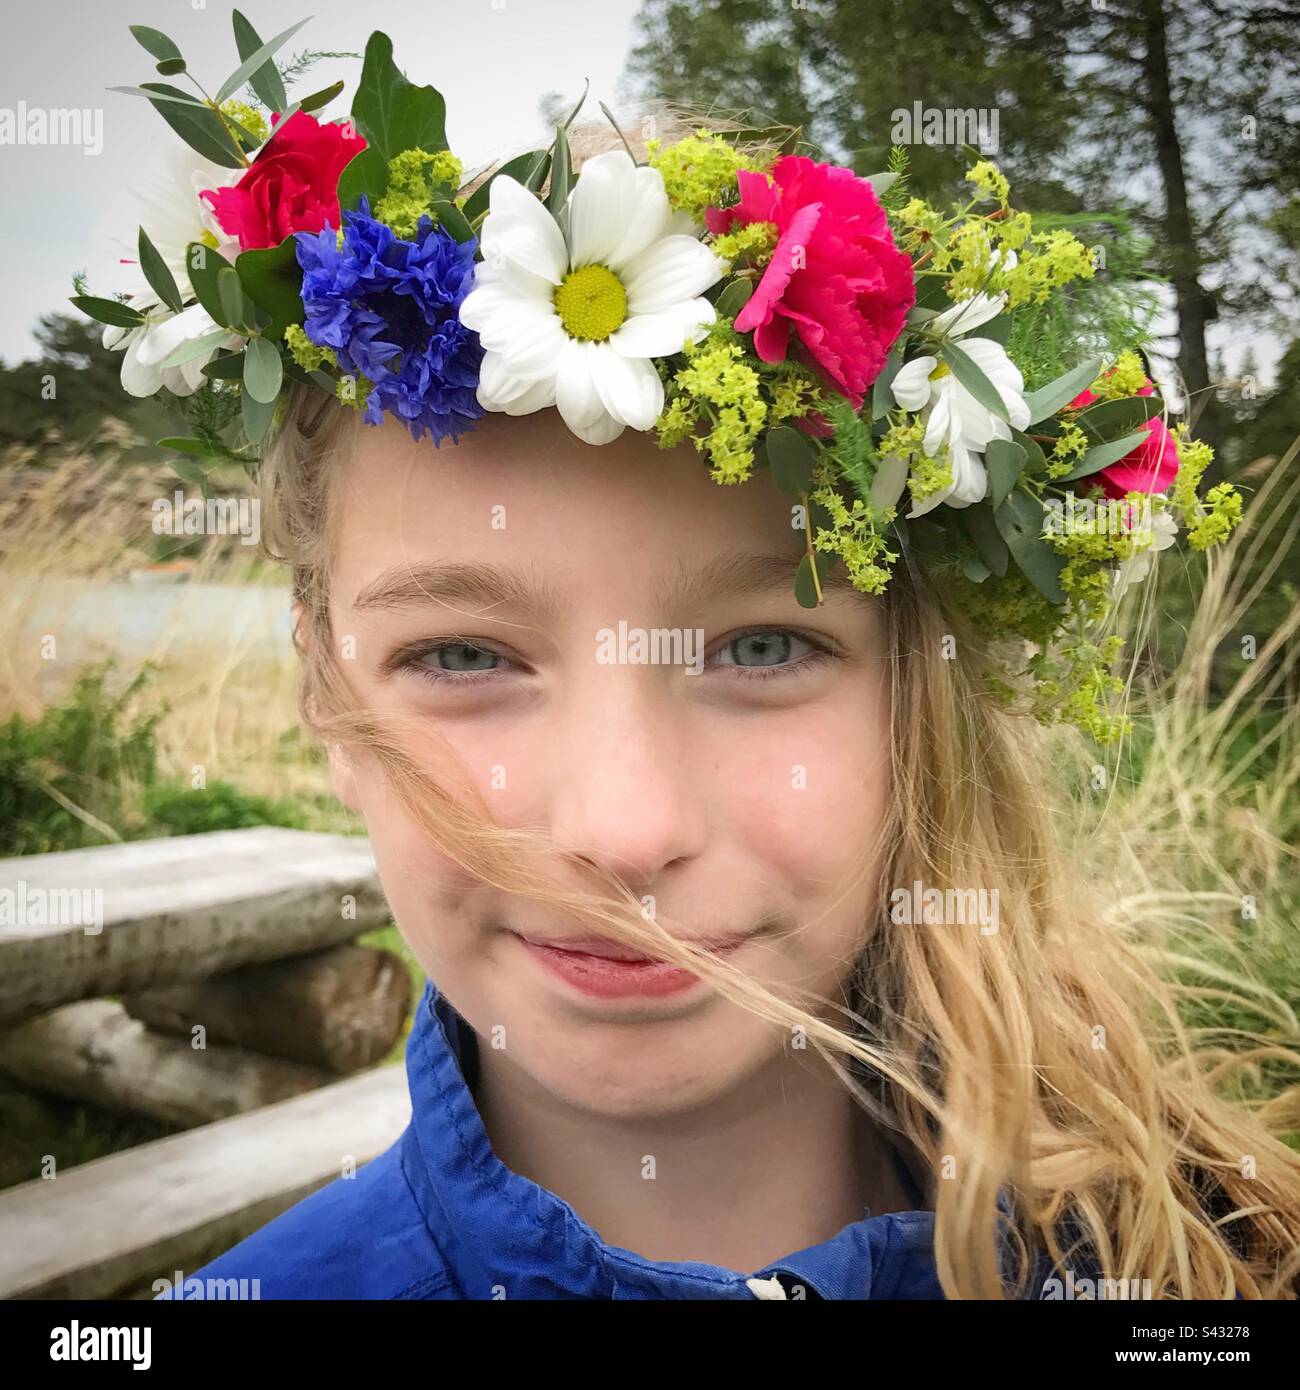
699, 170
990, 181
1210, 519
855, 537
1126, 378
926, 475
249, 117
1067, 451
755, 241
718, 381
415, 179
308, 355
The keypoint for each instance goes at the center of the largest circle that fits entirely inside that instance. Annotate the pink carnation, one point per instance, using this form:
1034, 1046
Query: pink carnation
1149, 468
835, 279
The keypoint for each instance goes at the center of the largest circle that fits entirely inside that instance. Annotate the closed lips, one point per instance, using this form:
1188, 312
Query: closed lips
616, 950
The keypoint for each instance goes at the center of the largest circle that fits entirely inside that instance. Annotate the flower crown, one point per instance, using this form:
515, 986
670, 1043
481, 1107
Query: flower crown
778, 311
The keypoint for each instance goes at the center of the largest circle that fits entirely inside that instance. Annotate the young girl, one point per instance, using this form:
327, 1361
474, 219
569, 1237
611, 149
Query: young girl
755, 970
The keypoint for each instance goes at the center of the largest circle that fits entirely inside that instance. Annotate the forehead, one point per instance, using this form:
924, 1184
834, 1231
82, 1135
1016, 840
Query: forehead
523, 496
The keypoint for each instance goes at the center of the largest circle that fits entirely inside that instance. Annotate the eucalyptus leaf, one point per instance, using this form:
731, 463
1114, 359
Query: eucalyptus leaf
1106, 419
453, 219
155, 43
256, 416
804, 589
520, 168
1035, 459
561, 173
1047, 400
266, 80
272, 278
204, 264
972, 377
881, 183
734, 298
982, 529
110, 311
236, 310
253, 62
155, 271
263, 372
316, 100
882, 396
198, 448
1020, 523
1103, 455
230, 367
198, 125
1006, 462
790, 455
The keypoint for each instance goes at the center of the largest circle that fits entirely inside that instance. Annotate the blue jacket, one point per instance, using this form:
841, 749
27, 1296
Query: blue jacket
438, 1215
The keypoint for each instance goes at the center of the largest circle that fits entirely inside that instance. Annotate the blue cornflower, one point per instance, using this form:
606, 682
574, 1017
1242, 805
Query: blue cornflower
389, 309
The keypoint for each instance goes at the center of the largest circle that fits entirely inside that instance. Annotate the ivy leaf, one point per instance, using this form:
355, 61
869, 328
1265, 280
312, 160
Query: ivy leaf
155, 270
366, 173
971, 375
1102, 455
790, 455
272, 279
253, 62
110, 311
1047, 400
1006, 462
392, 113
266, 80
1020, 523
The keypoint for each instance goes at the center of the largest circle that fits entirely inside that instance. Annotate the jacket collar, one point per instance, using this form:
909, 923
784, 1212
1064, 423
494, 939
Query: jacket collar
503, 1235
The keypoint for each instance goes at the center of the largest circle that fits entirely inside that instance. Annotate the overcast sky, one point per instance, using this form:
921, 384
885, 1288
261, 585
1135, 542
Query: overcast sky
65, 210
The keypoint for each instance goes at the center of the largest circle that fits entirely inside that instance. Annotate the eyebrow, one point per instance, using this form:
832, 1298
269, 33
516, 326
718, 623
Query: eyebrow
731, 574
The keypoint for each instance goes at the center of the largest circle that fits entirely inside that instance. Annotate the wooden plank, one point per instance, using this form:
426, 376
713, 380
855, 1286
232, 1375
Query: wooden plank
155, 912
113, 1225
95, 1051
340, 1009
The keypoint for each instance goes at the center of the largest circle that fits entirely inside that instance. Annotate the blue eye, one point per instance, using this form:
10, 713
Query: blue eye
766, 652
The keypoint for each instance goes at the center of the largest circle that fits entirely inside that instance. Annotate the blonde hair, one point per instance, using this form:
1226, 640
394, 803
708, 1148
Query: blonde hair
978, 1051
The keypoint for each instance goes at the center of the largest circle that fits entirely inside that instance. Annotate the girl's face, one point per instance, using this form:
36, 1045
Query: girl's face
507, 599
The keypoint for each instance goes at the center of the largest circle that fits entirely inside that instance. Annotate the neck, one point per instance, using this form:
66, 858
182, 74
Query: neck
784, 1161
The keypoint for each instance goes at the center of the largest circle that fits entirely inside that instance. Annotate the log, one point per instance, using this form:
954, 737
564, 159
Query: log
109, 1226
340, 1009
83, 923
94, 1051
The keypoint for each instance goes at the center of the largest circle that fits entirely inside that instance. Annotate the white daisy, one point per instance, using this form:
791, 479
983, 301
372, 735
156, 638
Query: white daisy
956, 420
572, 311
1163, 530
174, 216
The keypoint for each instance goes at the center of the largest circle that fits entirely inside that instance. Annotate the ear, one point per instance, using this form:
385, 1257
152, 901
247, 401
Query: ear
343, 776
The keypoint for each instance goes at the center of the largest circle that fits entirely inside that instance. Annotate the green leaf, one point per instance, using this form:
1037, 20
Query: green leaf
983, 532
227, 368
998, 329
236, 311
1106, 419
366, 173
188, 471
804, 589
1006, 462
390, 112
734, 298
110, 311
453, 219
881, 183
156, 43
1102, 455
971, 376
1020, 523
321, 98
198, 448
204, 264
272, 279
1036, 460
198, 125
155, 270
882, 397
1047, 400
266, 80
195, 347
790, 454
521, 168
253, 62
561, 173
256, 416
263, 373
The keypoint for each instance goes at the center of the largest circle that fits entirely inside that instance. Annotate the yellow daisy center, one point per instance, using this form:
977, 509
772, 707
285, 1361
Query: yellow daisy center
591, 302
941, 370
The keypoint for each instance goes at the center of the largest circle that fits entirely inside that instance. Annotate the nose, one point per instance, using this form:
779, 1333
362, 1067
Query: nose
628, 793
